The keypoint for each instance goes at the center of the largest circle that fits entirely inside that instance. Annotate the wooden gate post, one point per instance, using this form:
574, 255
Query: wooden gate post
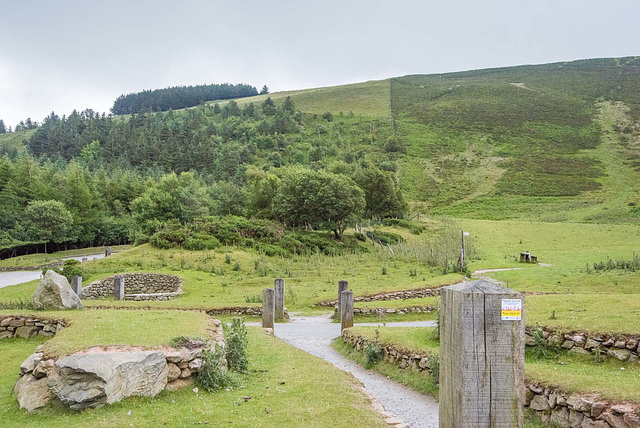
279, 286
76, 285
268, 307
118, 288
346, 310
342, 286
482, 342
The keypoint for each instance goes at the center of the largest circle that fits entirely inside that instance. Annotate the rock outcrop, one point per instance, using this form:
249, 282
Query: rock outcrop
32, 393
93, 380
54, 292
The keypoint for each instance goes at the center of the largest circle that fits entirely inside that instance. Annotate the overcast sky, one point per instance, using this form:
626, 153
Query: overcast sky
64, 54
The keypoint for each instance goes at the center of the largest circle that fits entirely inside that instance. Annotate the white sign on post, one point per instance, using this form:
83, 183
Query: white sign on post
511, 310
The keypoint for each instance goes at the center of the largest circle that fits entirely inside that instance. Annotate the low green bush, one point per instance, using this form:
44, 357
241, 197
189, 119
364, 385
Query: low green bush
237, 343
212, 376
415, 228
386, 238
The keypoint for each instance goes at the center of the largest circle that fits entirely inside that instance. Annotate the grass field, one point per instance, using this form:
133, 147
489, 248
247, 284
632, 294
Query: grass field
112, 327
286, 387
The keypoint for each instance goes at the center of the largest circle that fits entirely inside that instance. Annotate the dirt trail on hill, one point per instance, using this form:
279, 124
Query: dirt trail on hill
315, 334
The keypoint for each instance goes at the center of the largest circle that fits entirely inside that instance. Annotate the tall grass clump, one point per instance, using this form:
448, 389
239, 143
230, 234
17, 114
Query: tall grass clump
212, 375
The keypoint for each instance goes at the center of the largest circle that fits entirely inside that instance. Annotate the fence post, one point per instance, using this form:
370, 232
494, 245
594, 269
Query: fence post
118, 288
482, 342
279, 286
107, 252
342, 286
76, 285
268, 307
346, 310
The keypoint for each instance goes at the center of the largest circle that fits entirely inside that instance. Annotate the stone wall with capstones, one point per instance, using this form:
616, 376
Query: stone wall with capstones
393, 295
551, 404
163, 286
620, 346
26, 326
43, 378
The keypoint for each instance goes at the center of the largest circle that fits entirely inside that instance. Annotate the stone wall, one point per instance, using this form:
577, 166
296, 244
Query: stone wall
564, 410
552, 405
385, 311
622, 347
147, 372
28, 326
393, 295
416, 361
137, 286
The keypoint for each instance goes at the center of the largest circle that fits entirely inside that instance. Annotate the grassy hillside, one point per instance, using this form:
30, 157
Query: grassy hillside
552, 142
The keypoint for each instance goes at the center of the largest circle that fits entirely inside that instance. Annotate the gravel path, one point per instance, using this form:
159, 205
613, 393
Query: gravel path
314, 335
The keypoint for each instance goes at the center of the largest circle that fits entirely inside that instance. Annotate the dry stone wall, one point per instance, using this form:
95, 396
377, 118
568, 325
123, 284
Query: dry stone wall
565, 410
101, 370
385, 311
393, 295
405, 359
27, 326
137, 286
621, 347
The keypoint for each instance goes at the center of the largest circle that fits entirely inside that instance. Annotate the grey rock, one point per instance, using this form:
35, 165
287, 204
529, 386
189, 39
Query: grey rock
26, 331
575, 418
179, 384
30, 363
579, 404
621, 354
590, 423
560, 417
632, 344
173, 372
32, 393
44, 368
620, 344
591, 344
597, 408
539, 403
614, 420
93, 380
54, 292
568, 344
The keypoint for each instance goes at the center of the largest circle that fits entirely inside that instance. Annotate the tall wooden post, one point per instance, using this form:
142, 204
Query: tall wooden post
118, 288
346, 310
342, 286
481, 356
76, 285
279, 286
107, 252
268, 307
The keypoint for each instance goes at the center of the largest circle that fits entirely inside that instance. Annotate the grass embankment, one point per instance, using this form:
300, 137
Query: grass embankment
285, 387
611, 379
40, 260
112, 327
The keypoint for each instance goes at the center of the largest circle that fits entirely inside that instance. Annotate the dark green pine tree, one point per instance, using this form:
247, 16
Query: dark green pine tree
264, 90
3, 128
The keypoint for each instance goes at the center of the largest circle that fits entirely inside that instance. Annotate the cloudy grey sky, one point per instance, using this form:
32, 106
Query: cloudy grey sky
66, 54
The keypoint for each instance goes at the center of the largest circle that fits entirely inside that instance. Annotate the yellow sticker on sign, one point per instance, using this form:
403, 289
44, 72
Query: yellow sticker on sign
511, 310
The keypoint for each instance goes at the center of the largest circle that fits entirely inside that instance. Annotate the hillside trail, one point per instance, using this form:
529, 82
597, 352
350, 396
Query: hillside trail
315, 334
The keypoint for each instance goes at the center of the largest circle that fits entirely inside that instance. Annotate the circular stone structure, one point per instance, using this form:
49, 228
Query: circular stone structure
137, 286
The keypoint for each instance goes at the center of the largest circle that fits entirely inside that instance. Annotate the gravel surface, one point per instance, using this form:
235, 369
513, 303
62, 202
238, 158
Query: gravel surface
314, 335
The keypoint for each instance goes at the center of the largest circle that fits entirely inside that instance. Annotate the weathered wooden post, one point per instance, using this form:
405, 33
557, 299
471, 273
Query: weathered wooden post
268, 307
481, 356
279, 286
346, 310
76, 285
107, 252
118, 288
342, 286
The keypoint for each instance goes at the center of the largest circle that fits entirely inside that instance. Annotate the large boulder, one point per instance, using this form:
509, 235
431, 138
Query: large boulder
93, 380
54, 292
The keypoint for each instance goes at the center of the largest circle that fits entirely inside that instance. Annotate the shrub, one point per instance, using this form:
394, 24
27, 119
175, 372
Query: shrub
373, 351
70, 269
212, 376
415, 228
386, 238
434, 364
19, 304
237, 346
